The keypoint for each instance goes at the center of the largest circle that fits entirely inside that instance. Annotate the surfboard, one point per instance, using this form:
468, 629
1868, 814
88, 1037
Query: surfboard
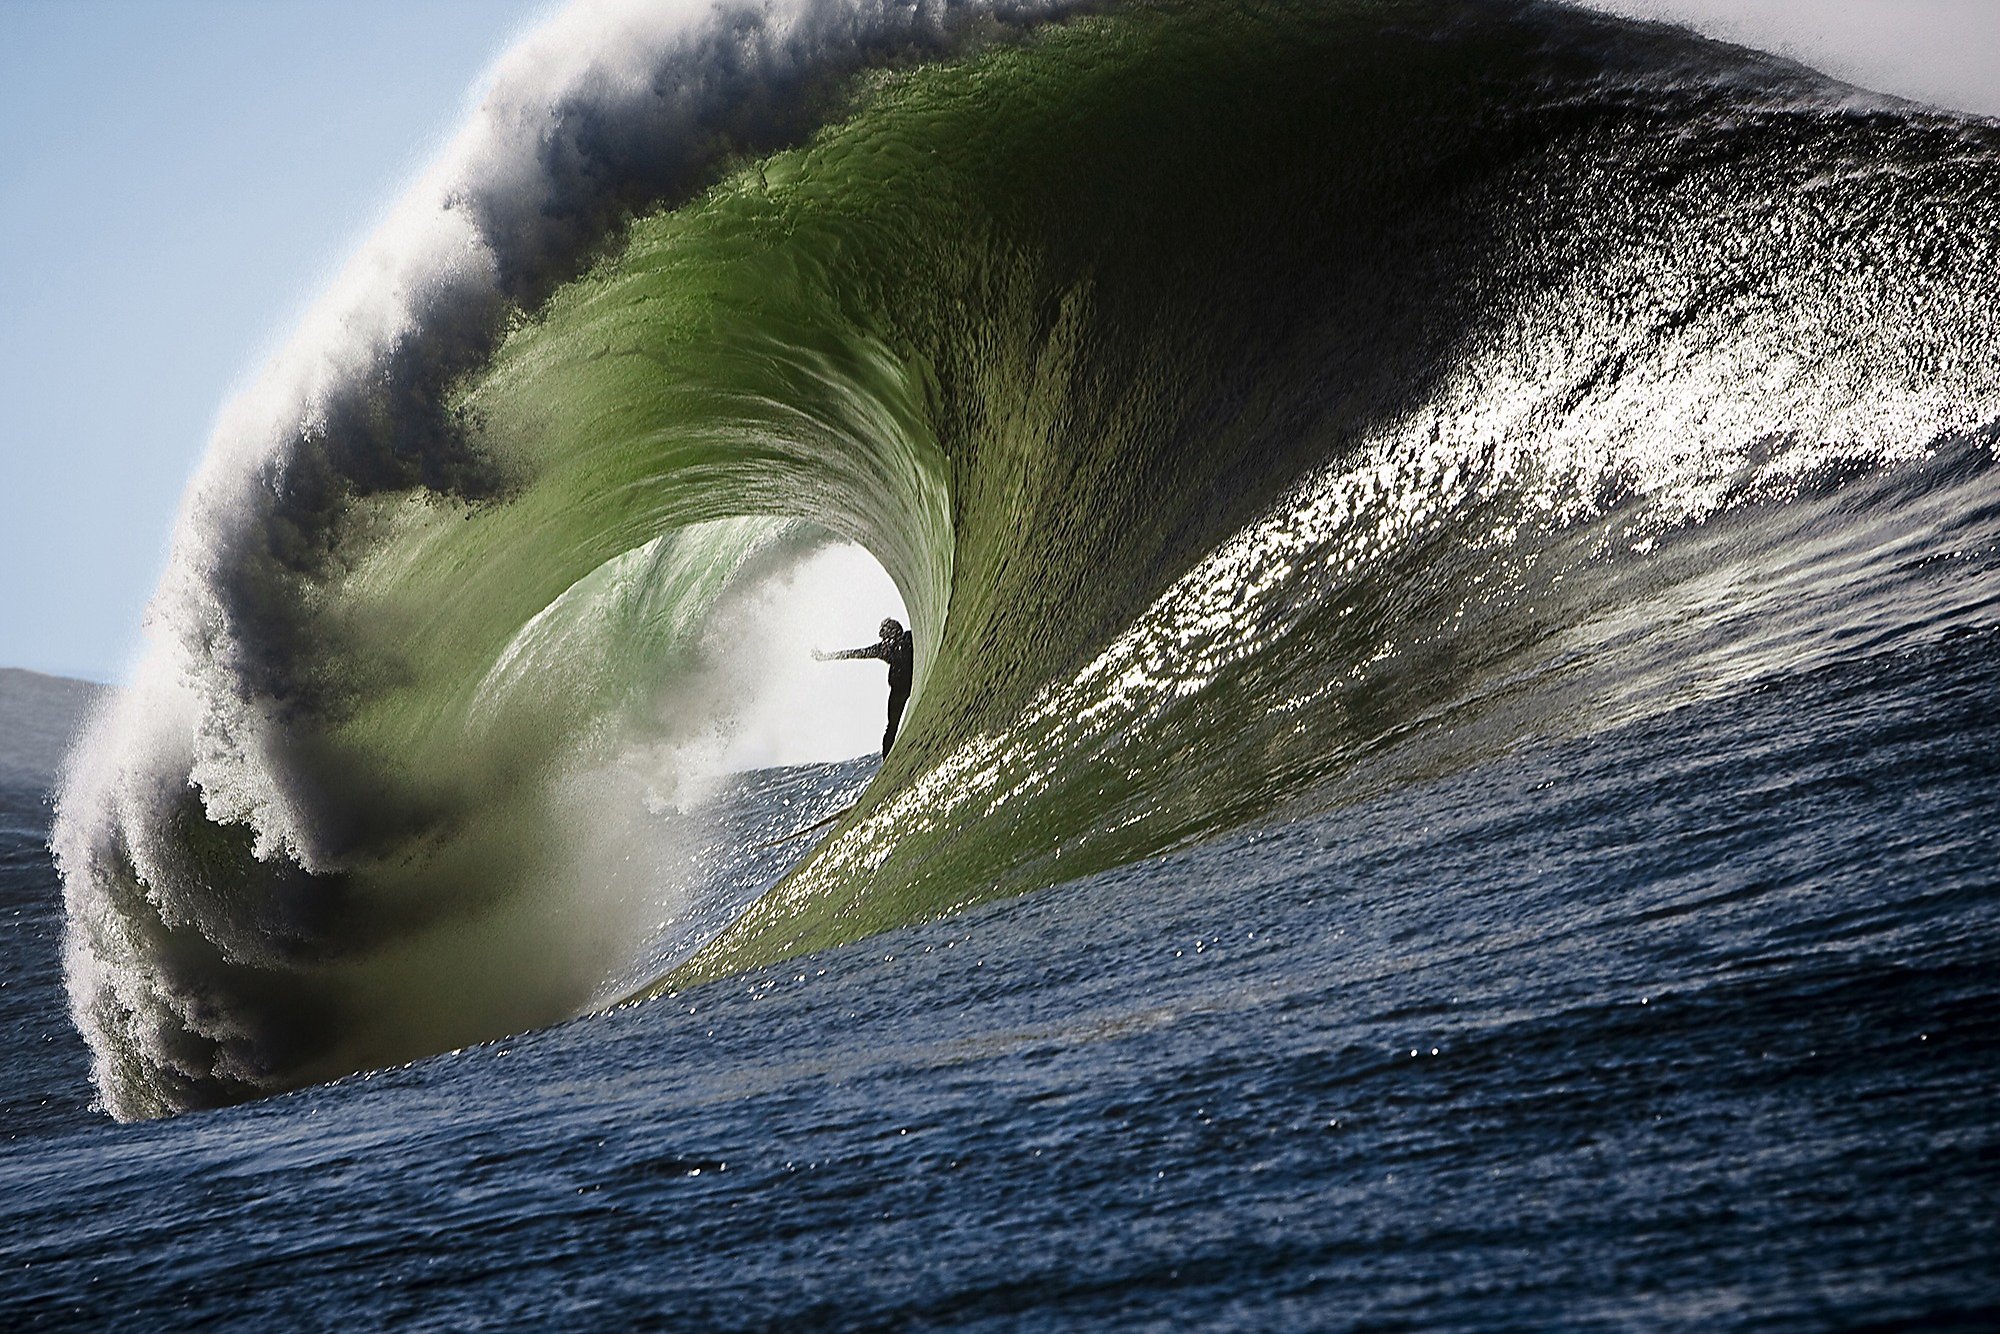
806, 829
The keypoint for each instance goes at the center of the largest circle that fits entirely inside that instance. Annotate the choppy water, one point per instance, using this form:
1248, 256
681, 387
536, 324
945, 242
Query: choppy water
1692, 1024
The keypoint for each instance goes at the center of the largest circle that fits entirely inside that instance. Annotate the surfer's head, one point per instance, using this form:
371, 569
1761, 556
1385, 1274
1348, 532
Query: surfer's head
891, 628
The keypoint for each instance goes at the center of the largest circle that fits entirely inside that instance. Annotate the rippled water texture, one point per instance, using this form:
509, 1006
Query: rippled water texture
1691, 1024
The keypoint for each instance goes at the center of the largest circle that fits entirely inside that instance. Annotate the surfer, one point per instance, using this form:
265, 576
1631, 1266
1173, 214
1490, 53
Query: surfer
898, 650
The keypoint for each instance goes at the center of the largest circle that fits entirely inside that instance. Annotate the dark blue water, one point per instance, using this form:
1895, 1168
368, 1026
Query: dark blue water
1695, 1023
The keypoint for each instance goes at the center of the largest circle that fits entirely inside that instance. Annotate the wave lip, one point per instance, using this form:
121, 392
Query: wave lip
1251, 406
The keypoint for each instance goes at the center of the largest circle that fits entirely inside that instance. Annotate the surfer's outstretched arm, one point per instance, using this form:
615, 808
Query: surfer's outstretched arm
870, 651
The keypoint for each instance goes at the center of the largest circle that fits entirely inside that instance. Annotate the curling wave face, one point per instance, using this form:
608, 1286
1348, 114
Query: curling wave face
1256, 406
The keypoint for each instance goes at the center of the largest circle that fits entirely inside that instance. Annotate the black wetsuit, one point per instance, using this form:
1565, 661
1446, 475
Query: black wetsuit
900, 652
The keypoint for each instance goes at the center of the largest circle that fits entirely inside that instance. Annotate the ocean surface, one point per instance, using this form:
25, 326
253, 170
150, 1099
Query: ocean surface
1454, 552
1691, 1024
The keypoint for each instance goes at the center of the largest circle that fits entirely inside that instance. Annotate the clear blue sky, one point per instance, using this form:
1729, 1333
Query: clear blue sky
177, 180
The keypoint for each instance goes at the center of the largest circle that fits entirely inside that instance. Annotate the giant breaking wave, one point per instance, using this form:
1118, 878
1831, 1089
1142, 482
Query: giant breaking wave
1256, 404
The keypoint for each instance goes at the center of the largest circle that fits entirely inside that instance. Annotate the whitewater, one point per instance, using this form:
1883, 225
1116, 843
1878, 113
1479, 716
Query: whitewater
1452, 552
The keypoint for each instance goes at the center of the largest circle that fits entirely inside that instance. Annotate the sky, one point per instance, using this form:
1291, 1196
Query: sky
1944, 52
178, 181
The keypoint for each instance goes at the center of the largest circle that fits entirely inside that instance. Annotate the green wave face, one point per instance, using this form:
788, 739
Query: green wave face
1254, 404
1075, 307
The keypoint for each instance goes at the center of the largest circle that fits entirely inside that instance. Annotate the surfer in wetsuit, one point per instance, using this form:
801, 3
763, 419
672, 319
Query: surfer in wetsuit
898, 650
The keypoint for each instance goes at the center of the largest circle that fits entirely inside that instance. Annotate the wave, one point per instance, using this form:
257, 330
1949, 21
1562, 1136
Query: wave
1254, 405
